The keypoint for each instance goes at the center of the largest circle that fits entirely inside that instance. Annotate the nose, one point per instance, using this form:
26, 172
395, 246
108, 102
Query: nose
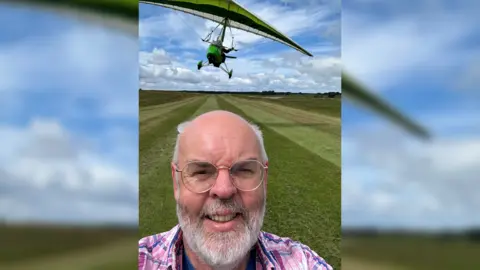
223, 188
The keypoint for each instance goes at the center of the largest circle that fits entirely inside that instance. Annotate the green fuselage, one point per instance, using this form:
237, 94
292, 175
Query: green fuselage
214, 55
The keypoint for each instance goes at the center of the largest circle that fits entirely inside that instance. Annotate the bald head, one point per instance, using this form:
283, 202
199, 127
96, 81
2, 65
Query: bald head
216, 119
220, 133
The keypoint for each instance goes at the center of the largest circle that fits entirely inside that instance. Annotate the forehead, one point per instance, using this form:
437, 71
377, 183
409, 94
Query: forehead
217, 144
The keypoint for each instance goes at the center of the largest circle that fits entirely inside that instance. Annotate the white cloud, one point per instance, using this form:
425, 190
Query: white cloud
157, 57
391, 176
175, 26
43, 165
286, 69
319, 74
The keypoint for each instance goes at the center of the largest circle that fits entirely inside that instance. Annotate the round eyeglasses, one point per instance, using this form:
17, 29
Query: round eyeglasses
201, 176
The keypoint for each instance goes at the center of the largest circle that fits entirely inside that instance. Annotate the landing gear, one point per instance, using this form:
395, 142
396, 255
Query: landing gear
226, 70
202, 64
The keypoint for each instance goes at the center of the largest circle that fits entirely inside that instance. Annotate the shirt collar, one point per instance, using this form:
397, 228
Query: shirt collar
175, 251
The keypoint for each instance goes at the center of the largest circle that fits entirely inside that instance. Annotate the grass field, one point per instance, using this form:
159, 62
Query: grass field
55, 247
325, 106
408, 253
303, 199
148, 99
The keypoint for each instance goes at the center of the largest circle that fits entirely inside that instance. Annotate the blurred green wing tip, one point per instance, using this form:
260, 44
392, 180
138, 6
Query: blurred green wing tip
128, 10
357, 92
114, 14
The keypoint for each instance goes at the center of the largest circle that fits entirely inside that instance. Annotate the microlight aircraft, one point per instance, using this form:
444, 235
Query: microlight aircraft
228, 14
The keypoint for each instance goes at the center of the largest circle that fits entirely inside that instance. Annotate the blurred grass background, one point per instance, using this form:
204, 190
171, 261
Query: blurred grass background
53, 246
412, 250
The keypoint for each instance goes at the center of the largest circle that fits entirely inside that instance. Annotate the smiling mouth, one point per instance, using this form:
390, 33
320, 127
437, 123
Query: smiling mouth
225, 218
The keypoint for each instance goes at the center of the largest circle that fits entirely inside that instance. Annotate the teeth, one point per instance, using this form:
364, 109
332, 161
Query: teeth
222, 218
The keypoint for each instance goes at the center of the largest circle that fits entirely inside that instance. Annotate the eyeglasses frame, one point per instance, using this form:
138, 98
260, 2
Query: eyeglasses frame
264, 167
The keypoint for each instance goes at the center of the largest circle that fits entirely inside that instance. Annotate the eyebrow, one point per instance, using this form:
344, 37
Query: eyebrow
205, 160
196, 160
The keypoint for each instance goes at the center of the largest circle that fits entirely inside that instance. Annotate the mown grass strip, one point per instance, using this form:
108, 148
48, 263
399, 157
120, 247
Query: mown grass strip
150, 134
148, 98
319, 142
166, 105
328, 106
157, 204
304, 192
153, 117
321, 121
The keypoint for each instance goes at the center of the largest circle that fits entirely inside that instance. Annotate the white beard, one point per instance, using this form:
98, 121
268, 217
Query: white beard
223, 250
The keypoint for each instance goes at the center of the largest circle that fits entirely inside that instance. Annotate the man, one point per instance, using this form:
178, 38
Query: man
219, 172
224, 50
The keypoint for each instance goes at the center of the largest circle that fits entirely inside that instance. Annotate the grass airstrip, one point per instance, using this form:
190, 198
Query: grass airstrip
303, 200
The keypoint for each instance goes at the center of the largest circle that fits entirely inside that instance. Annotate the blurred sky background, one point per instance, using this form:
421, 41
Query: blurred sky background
68, 119
69, 99
423, 57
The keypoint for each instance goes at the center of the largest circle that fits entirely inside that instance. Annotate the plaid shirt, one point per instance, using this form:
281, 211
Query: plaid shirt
165, 251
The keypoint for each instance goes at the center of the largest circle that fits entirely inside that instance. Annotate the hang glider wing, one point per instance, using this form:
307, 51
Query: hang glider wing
239, 17
357, 92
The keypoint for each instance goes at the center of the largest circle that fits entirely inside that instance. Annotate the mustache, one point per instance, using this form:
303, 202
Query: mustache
223, 205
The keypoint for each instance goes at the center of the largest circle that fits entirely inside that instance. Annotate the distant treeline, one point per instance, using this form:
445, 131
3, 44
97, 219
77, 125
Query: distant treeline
263, 93
469, 234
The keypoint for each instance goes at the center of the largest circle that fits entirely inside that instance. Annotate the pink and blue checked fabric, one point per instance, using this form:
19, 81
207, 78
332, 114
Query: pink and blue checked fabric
165, 250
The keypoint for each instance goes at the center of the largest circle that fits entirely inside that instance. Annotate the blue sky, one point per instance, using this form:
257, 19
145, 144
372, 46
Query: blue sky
421, 57
68, 119
171, 46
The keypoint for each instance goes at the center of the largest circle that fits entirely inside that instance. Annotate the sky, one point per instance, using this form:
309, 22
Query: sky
171, 46
423, 57
68, 120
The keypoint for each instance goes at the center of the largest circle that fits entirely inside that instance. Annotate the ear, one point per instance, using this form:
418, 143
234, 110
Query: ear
174, 180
